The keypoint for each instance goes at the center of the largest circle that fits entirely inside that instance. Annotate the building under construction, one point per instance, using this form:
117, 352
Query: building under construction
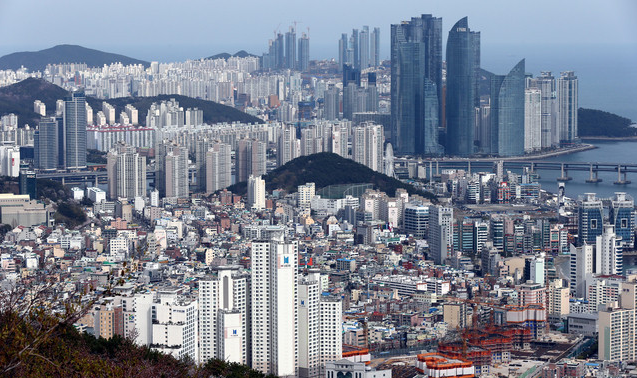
486, 347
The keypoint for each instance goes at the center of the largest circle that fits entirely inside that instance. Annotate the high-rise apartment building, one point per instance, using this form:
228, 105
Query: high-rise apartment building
250, 159
218, 167
224, 299
416, 85
440, 233
364, 47
567, 103
46, 148
290, 49
274, 293
74, 131
558, 299
331, 108
374, 48
590, 218
367, 146
609, 252
126, 173
462, 55
507, 112
582, 267
622, 216
256, 193
532, 120
320, 327
287, 145
304, 52
546, 84
172, 167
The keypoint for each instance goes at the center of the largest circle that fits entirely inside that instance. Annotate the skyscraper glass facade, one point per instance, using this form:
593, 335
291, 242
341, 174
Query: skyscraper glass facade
416, 74
75, 130
507, 112
462, 48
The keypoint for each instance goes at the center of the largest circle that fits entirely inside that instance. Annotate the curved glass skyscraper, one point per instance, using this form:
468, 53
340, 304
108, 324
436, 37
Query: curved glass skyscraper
463, 50
507, 112
416, 85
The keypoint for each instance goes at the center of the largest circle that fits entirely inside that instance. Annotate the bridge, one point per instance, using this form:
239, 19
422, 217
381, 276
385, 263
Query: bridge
435, 165
95, 177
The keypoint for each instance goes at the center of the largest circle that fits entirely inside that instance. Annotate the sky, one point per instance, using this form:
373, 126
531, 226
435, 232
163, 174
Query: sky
177, 30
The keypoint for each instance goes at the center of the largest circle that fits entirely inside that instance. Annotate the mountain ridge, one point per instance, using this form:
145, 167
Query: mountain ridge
65, 53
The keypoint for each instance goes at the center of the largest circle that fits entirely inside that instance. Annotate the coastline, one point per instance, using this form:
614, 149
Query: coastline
566, 151
607, 138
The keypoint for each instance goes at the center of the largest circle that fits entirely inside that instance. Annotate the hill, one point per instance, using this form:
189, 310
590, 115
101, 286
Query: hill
40, 345
598, 123
212, 112
18, 99
238, 54
37, 60
326, 169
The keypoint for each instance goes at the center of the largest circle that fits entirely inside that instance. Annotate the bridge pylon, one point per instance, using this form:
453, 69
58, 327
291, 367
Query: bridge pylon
593, 179
621, 177
564, 177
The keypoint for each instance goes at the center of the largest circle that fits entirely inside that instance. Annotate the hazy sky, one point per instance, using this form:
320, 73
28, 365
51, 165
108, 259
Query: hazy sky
183, 29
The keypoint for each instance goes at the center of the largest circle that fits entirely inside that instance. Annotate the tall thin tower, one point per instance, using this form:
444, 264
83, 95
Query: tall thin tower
461, 89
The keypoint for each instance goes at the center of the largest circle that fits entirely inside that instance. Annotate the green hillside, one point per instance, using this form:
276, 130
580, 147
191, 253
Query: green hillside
18, 99
592, 123
326, 169
37, 60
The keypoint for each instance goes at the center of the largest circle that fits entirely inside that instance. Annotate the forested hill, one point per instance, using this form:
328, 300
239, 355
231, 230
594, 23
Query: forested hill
326, 169
19, 97
598, 123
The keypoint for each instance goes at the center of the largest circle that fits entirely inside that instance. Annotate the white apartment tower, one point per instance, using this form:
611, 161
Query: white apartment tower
223, 315
367, 146
274, 295
218, 167
532, 119
256, 193
305, 194
608, 250
320, 327
126, 173
287, 145
174, 328
567, 106
581, 268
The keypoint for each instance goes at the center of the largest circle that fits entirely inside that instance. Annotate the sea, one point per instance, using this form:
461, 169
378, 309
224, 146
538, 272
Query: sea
624, 152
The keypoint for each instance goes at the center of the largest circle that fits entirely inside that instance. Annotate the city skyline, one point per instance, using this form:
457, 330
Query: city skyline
595, 22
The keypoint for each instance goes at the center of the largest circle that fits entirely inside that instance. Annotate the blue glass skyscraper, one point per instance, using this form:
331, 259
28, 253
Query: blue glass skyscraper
621, 215
416, 85
462, 48
507, 112
590, 219
74, 148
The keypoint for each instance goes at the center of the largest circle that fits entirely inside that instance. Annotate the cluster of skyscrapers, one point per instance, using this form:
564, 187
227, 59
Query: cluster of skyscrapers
471, 111
60, 141
283, 53
360, 50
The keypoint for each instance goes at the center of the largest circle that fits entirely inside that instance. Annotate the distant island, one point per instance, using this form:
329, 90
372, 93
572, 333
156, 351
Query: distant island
324, 169
594, 123
238, 54
18, 99
38, 60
